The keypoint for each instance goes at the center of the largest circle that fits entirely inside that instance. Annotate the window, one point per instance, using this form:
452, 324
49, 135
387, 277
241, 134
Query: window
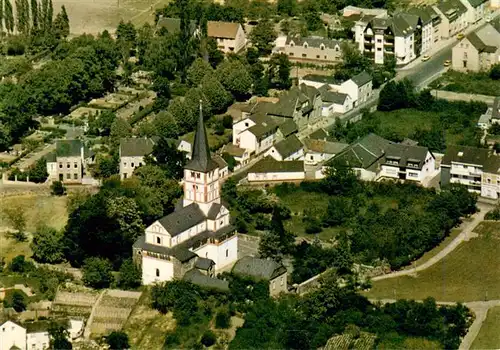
60, 165
282, 280
68, 176
312, 157
124, 175
197, 175
125, 164
157, 272
75, 176
379, 40
158, 240
75, 165
465, 55
246, 124
192, 174
337, 48
221, 222
274, 284
132, 165
304, 55
317, 56
465, 63
379, 49
227, 253
68, 165
140, 164
291, 53
325, 57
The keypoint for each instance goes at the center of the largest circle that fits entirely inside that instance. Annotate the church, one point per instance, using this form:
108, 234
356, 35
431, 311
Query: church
198, 234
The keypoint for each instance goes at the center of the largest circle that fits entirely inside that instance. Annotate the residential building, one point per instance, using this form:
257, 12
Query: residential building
491, 116
265, 270
319, 151
334, 102
320, 134
69, 162
476, 10
319, 81
287, 128
269, 169
198, 228
12, 336
230, 36
240, 155
476, 168
360, 17
133, 150
288, 149
479, 50
430, 21
255, 134
359, 88
312, 49
453, 17
37, 335
374, 157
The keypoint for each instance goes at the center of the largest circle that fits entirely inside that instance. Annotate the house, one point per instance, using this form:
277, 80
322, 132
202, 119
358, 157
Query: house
320, 134
374, 157
479, 50
476, 10
173, 25
198, 228
37, 335
491, 116
287, 128
319, 151
223, 166
269, 169
240, 155
230, 36
312, 49
453, 17
263, 270
288, 149
69, 162
12, 336
430, 21
334, 102
133, 150
197, 277
255, 134
359, 88
476, 168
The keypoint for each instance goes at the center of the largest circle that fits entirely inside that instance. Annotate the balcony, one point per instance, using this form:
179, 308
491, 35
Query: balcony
388, 43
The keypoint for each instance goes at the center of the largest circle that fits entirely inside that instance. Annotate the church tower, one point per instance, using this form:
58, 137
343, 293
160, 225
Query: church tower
201, 173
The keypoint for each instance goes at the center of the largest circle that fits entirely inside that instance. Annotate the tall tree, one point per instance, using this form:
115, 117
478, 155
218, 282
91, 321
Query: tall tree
42, 13
9, 16
26, 16
50, 15
263, 36
1, 15
34, 14
61, 24
278, 242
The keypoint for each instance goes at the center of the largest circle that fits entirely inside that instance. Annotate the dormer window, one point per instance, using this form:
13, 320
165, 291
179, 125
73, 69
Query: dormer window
306, 46
292, 44
322, 47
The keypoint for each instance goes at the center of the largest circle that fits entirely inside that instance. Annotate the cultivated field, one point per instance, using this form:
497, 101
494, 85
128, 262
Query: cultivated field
469, 273
489, 335
74, 303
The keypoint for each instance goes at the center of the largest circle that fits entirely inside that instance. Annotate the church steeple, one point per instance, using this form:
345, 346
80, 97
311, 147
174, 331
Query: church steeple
201, 160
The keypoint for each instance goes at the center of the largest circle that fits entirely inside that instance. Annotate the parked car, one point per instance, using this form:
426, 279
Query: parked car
447, 63
425, 57
460, 36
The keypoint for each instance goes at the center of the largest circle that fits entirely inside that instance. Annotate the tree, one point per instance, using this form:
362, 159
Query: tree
118, 340
97, 273
161, 85
165, 125
223, 319
105, 166
47, 245
287, 7
127, 215
311, 15
61, 24
353, 62
34, 15
277, 242
263, 37
130, 275
208, 338
119, 129
495, 72
38, 173
22, 16
18, 301
340, 180
59, 337
2, 15
171, 160
339, 210
57, 188
16, 218
197, 71
9, 17
279, 71
397, 95
235, 77
214, 91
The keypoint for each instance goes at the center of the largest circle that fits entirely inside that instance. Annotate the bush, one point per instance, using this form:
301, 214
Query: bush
223, 319
20, 265
208, 338
97, 273
130, 275
495, 72
18, 301
118, 340
58, 188
493, 214
227, 121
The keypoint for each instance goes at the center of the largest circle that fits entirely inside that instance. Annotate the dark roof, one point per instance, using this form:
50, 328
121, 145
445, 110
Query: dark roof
325, 79
233, 150
226, 30
220, 161
201, 159
464, 154
288, 127
204, 263
173, 25
451, 9
404, 24
51, 157
181, 253
258, 268
264, 126
313, 41
362, 153
322, 146
362, 78
485, 39
406, 155
289, 102
425, 13
205, 236
182, 219
214, 211
43, 326
476, 3
270, 165
68, 148
476, 41
409, 142
333, 97
288, 146
319, 134
196, 277
492, 164
136, 147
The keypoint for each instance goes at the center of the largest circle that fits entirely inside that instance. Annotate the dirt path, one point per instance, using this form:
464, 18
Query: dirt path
465, 235
88, 326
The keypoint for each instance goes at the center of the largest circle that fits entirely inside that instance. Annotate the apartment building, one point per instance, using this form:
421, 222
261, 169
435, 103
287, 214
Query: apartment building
311, 49
453, 15
476, 9
431, 22
476, 168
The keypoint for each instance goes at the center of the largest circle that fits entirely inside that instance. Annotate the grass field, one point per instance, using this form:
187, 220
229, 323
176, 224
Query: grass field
469, 273
489, 335
470, 83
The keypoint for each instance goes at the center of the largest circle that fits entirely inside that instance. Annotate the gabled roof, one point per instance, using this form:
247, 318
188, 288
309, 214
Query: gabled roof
233, 150
204, 263
180, 253
313, 41
136, 147
220, 161
406, 154
451, 9
196, 277
288, 103
485, 39
182, 219
288, 146
225, 30
288, 127
321, 146
263, 127
201, 159
270, 165
263, 269
319, 134
68, 148
333, 97
361, 78
464, 154
363, 153
214, 211
404, 24
476, 3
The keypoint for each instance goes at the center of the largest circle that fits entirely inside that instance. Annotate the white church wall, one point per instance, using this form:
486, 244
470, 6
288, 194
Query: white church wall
208, 251
227, 253
150, 266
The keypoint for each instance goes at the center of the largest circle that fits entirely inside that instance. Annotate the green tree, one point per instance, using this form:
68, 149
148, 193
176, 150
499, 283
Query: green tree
126, 37
208, 338
144, 37
182, 115
339, 210
287, 7
171, 160
235, 77
130, 275
495, 72
311, 15
47, 245
60, 26
165, 125
9, 17
161, 85
16, 218
263, 36
119, 129
105, 166
340, 180
18, 301
38, 173
197, 71
127, 215
214, 91
277, 242
97, 273
1, 15
34, 14
57, 188
59, 337
118, 340
279, 71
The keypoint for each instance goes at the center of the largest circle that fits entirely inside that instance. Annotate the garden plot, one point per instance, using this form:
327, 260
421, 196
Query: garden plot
111, 101
74, 303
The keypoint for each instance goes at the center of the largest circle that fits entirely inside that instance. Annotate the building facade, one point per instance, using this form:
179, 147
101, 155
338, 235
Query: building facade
230, 36
453, 15
199, 228
266, 270
69, 162
312, 49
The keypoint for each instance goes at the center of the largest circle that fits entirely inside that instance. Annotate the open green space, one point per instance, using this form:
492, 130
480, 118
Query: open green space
470, 83
469, 273
489, 335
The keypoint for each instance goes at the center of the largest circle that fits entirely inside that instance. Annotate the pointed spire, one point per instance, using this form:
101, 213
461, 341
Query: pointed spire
201, 159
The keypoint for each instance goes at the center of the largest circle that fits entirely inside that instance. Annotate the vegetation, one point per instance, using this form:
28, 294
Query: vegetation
488, 337
130, 275
118, 341
483, 83
493, 214
97, 273
47, 245
59, 337
57, 188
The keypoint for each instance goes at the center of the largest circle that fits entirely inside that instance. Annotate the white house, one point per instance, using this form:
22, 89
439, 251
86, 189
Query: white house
37, 335
454, 17
269, 169
319, 151
334, 102
230, 36
359, 88
288, 149
476, 10
199, 228
69, 162
12, 336
430, 22
406, 162
319, 81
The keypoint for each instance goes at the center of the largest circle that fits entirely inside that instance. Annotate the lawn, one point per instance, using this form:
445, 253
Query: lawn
489, 335
469, 273
470, 83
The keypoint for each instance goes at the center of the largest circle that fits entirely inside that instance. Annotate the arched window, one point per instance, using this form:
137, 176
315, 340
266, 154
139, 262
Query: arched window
157, 272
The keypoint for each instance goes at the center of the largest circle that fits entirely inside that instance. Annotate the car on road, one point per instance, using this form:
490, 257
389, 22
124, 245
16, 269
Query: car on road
425, 57
460, 36
447, 63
